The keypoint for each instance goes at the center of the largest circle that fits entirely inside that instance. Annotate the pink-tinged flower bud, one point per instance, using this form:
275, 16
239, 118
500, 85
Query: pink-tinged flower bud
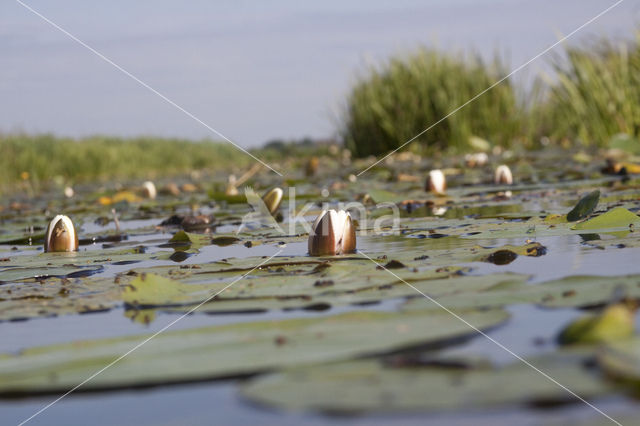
503, 175
272, 200
436, 182
61, 235
333, 233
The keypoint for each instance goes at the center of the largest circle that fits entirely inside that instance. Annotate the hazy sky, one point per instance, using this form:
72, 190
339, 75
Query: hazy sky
253, 70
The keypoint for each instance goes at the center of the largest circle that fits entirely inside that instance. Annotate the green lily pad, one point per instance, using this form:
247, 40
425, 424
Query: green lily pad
615, 322
371, 386
322, 294
54, 297
584, 207
618, 217
621, 360
63, 271
573, 291
75, 264
195, 241
229, 350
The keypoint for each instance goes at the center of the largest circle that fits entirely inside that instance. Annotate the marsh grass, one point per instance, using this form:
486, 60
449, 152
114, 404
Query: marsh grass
392, 103
592, 95
44, 158
596, 93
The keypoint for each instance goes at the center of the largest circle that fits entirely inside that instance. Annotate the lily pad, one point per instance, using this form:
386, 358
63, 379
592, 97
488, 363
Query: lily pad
54, 297
618, 217
370, 386
621, 360
584, 207
573, 291
325, 293
229, 350
73, 265
195, 241
615, 322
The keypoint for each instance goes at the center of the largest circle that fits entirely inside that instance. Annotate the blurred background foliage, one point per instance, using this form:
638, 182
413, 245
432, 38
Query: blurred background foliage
395, 102
42, 158
592, 95
591, 99
597, 93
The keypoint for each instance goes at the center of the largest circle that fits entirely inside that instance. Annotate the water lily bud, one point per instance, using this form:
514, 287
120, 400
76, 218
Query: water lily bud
272, 199
436, 182
68, 192
61, 235
503, 175
149, 190
333, 233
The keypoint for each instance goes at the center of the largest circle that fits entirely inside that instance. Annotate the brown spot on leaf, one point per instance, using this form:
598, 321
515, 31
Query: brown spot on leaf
502, 257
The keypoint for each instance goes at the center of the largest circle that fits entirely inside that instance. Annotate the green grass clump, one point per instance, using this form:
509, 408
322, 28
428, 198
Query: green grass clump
45, 157
393, 103
597, 93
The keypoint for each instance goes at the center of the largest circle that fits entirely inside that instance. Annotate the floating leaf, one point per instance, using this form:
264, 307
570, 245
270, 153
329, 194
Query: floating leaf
195, 241
148, 290
70, 265
370, 386
325, 295
224, 240
618, 217
54, 297
584, 207
229, 350
621, 360
573, 291
614, 323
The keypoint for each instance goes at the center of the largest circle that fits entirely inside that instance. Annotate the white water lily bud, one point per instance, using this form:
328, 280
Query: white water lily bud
61, 235
436, 182
503, 175
272, 199
333, 233
149, 190
68, 192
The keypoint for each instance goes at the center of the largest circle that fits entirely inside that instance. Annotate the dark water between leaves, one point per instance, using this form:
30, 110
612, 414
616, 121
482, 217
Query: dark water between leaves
530, 331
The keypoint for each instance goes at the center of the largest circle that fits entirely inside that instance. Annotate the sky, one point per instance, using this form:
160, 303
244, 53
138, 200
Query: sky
252, 70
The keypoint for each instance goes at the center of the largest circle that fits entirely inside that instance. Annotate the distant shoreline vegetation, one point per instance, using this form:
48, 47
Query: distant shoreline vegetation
594, 95
43, 159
